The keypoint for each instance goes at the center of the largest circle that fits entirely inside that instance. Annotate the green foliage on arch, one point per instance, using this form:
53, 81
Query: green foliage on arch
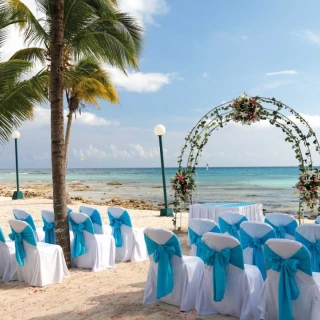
247, 110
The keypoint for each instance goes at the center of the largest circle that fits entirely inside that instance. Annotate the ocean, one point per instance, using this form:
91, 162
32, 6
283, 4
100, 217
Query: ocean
271, 186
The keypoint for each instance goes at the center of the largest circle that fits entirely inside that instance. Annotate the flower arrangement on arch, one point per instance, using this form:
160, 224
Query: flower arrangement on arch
183, 184
309, 187
246, 110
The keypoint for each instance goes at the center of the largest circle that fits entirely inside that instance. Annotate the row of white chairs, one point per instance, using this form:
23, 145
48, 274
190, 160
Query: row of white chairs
94, 245
222, 284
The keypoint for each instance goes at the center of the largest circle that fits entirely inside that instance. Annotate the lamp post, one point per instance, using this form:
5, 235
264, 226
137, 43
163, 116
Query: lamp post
17, 194
159, 130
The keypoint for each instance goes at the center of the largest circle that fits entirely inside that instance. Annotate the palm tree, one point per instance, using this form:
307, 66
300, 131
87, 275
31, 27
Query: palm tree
17, 96
90, 83
69, 31
57, 129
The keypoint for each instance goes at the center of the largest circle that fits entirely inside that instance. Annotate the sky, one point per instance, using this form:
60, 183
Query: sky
196, 55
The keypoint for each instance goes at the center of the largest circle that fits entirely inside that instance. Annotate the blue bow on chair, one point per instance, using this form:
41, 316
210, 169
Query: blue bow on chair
116, 223
314, 248
256, 245
232, 229
287, 287
28, 220
196, 239
79, 245
48, 228
281, 231
162, 254
96, 218
219, 261
18, 237
2, 238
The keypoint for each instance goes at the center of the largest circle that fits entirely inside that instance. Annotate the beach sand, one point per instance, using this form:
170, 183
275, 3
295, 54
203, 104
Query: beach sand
112, 294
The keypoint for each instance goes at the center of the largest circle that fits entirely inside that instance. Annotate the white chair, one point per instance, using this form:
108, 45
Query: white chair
289, 292
317, 221
309, 236
172, 278
94, 215
90, 250
130, 244
227, 286
197, 227
39, 264
23, 215
283, 224
49, 227
8, 268
229, 223
253, 236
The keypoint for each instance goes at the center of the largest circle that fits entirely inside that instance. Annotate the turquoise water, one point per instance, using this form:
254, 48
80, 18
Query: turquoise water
271, 186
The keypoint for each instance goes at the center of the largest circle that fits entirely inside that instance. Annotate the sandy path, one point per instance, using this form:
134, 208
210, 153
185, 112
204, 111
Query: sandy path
111, 294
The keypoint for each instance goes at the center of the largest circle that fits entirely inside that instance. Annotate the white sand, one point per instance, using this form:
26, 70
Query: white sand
112, 294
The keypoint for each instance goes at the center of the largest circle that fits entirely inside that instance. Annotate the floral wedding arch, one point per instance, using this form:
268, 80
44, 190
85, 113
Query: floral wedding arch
248, 110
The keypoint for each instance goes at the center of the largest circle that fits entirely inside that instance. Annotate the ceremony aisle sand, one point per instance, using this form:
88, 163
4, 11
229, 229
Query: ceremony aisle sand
112, 294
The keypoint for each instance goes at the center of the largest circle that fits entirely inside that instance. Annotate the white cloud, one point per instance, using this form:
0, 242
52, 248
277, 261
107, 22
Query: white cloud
138, 149
313, 120
309, 36
284, 72
42, 118
144, 10
139, 81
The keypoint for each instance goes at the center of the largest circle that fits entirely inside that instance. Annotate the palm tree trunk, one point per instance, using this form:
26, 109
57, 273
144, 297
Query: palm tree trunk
68, 134
57, 131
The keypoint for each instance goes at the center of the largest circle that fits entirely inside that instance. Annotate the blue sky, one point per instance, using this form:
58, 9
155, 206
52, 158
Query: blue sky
196, 55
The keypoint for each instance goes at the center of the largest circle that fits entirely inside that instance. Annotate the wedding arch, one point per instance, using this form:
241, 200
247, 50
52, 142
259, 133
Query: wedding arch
247, 110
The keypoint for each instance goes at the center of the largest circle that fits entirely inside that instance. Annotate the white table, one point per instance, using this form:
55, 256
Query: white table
253, 211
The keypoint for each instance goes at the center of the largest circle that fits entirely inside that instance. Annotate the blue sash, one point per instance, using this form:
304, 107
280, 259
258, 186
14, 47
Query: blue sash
29, 221
232, 229
287, 287
2, 238
69, 210
281, 231
162, 254
48, 228
219, 261
25, 235
79, 244
96, 218
316, 222
256, 245
116, 223
314, 248
196, 239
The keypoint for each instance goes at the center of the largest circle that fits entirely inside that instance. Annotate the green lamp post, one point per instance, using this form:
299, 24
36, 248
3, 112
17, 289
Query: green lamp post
17, 194
160, 130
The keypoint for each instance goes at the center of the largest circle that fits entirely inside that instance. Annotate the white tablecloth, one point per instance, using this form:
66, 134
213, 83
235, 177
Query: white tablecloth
253, 211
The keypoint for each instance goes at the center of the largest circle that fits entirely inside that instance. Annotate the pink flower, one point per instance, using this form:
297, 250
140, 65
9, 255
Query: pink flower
314, 200
234, 104
316, 180
254, 102
180, 177
254, 117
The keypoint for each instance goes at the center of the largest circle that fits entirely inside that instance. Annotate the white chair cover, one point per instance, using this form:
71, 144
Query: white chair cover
95, 216
243, 282
27, 217
187, 272
133, 245
48, 215
100, 248
43, 263
283, 224
307, 304
200, 227
309, 236
259, 232
229, 223
8, 268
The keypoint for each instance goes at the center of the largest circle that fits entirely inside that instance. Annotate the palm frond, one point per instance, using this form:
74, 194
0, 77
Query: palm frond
31, 54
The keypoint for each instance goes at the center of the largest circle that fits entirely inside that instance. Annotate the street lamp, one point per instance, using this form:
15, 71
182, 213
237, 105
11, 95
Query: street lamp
159, 130
17, 194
